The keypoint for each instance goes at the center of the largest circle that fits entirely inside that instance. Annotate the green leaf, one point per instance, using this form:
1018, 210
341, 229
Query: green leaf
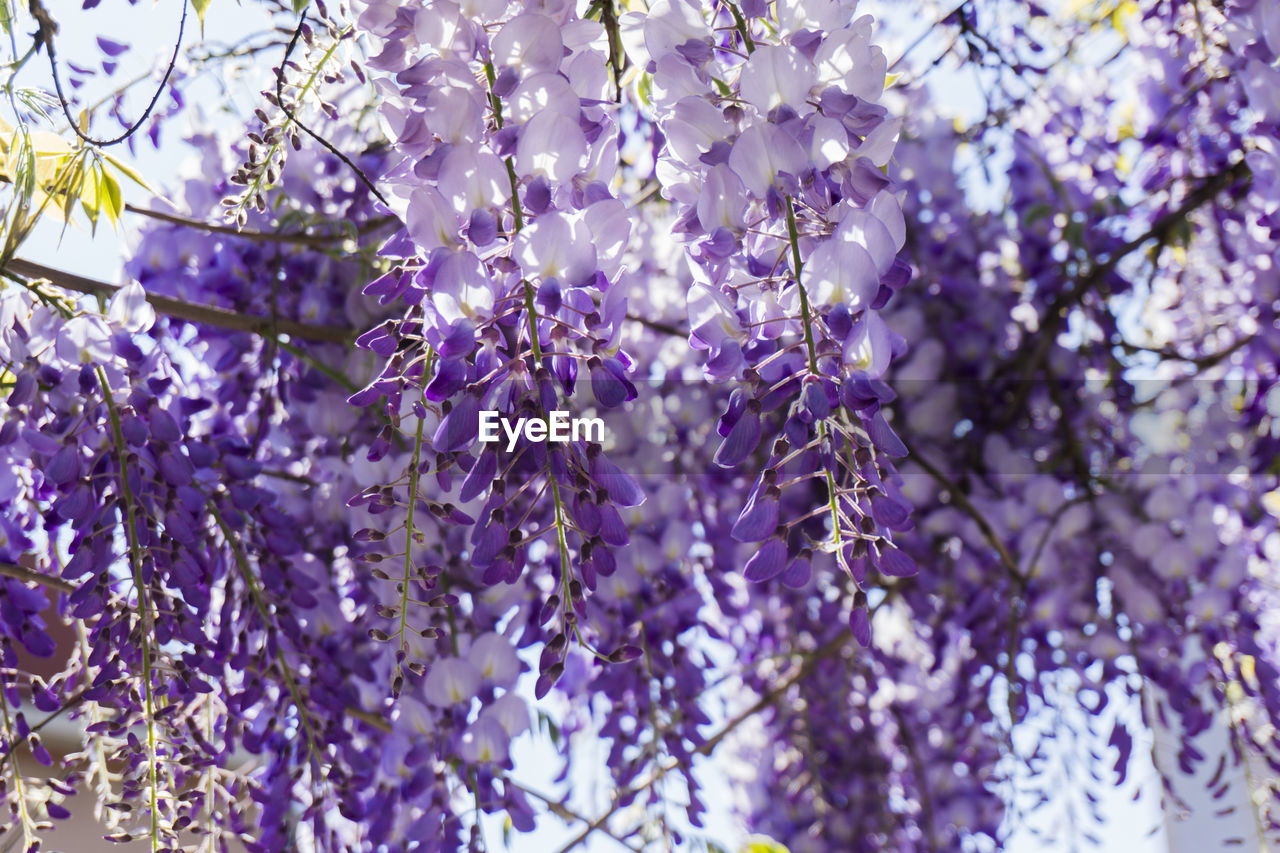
645, 89
762, 844
200, 6
75, 180
1121, 14
113, 204
22, 162
129, 172
299, 5
90, 199
546, 722
1181, 233
25, 179
6, 16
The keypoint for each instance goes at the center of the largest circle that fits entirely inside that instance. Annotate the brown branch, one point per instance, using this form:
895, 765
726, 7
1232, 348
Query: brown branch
280, 474
296, 237
1201, 362
766, 700
204, 314
659, 326
1016, 603
1074, 448
32, 576
773, 695
961, 500
918, 770
928, 32
1056, 315
562, 811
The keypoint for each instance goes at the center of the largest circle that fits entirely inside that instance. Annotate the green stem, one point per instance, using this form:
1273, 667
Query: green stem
740, 23
93, 711
408, 537
28, 838
562, 540
793, 234
515, 195
1243, 746
561, 533
832, 501
496, 104
144, 605
16, 66
609, 18
453, 620
210, 781
302, 93
494, 101
532, 310
475, 792
255, 593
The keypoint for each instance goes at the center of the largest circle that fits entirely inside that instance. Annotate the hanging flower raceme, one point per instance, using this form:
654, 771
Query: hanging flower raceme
94, 433
506, 281
775, 143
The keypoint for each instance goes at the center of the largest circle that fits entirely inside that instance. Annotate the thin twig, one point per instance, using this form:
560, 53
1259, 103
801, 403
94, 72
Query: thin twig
1056, 315
961, 500
706, 747
284, 63
1201, 362
70, 704
921, 775
562, 811
300, 238
48, 28
658, 326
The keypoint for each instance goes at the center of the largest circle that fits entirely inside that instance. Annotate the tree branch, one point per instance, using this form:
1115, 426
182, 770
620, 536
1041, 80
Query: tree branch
289, 113
48, 28
204, 314
918, 770
961, 500
1200, 362
32, 576
766, 700
562, 811
1056, 315
296, 237
658, 326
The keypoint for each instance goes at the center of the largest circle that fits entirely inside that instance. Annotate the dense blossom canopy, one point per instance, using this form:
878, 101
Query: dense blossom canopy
919, 429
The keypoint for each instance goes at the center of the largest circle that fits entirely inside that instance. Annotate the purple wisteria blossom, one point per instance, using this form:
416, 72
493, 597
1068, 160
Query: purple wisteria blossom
923, 459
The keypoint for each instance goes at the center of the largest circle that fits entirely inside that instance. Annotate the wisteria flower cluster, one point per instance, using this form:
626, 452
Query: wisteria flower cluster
889, 473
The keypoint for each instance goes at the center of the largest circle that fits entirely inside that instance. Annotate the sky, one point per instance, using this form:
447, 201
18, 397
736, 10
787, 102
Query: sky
151, 29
